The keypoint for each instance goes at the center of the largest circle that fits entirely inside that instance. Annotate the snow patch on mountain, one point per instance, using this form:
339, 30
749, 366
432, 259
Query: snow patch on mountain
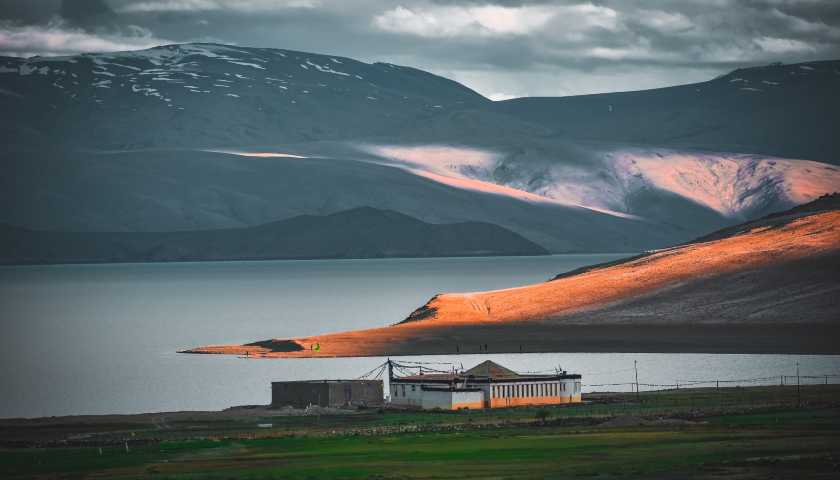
733, 185
472, 169
325, 69
727, 183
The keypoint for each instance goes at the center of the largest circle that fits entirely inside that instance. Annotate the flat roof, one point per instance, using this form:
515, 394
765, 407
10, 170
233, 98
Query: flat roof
487, 371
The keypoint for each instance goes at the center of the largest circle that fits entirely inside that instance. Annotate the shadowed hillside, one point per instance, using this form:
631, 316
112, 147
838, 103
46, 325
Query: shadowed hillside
358, 233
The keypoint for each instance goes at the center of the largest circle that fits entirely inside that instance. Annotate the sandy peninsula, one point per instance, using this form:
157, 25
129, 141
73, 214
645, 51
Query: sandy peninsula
767, 286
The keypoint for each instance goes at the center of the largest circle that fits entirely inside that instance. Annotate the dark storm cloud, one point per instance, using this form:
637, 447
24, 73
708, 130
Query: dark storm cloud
86, 12
31, 11
501, 47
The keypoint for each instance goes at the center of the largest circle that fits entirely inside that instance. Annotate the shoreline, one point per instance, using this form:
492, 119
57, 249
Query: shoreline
309, 259
406, 340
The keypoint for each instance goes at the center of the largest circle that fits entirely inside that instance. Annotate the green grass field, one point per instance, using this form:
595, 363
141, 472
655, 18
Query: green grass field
742, 433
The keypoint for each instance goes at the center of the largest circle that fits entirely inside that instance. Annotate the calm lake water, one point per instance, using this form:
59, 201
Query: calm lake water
92, 339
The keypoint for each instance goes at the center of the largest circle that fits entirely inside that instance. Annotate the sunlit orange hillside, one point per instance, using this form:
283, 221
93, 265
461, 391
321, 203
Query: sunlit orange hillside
770, 285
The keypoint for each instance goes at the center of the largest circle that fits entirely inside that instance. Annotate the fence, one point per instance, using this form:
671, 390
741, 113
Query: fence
780, 380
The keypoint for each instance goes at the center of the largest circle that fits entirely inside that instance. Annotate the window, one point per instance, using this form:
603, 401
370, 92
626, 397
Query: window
413, 388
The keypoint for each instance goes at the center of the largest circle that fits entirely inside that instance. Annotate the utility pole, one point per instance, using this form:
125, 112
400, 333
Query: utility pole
798, 392
636, 369
391, 387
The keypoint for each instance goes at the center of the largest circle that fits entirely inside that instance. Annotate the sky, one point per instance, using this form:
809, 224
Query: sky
500, 48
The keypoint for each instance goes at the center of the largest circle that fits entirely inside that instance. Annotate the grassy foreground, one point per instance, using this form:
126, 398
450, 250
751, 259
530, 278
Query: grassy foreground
702, 433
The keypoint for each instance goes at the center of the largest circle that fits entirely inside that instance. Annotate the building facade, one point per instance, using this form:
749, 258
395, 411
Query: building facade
327, 393
487, 385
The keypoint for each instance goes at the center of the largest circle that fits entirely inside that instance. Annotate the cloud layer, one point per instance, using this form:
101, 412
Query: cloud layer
59, 38
502, 48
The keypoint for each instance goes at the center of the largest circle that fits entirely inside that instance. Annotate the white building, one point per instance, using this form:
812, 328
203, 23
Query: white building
487, 385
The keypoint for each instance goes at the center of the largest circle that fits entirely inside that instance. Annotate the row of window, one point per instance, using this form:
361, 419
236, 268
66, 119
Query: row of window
397, 388
551, 389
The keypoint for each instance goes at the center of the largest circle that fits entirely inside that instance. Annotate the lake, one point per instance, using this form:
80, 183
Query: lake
94, 339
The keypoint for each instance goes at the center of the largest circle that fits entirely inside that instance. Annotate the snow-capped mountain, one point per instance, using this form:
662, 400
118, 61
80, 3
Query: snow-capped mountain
201, 136
215, 95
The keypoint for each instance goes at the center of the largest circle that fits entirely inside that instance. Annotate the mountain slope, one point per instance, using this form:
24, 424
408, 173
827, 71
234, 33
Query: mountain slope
195, 190
209, 95
357, 233
770, 285
780, 110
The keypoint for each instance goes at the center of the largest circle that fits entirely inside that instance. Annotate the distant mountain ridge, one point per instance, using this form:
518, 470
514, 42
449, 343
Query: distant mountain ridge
190, 95
210, 95
357, 233
784, 110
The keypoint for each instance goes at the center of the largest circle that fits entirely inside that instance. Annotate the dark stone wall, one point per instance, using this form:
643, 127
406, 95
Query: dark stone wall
299, 394
356, 393
327, 394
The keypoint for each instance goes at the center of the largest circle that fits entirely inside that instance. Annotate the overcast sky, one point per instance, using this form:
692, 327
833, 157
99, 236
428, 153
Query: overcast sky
501, 48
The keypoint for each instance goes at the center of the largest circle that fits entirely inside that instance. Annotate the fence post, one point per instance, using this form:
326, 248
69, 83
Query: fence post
636, 369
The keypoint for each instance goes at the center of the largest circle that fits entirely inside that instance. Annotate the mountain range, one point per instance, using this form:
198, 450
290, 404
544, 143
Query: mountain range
202, 137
